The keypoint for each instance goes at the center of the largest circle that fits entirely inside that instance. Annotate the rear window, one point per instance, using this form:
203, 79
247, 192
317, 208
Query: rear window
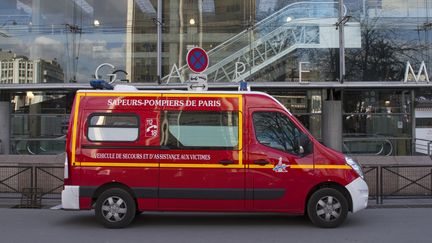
199, 130
113, 127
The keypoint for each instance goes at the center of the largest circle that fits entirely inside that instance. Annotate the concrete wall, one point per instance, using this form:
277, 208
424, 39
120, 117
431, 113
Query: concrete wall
47, 160
393, 160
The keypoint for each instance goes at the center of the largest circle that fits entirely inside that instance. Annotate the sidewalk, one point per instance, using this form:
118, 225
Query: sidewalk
15, 203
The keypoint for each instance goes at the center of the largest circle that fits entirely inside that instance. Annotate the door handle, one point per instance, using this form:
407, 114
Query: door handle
226, 162
261, 162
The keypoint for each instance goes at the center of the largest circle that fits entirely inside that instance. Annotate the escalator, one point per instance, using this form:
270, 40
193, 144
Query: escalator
297, 25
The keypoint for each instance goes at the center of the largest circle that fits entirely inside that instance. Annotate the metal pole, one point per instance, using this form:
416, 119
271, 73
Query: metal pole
159, 39
377, 185
341, 43
429, 143
200, 11
381, 185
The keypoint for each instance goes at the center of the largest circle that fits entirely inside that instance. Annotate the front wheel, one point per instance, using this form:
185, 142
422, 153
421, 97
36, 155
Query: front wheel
115, 208
327, 208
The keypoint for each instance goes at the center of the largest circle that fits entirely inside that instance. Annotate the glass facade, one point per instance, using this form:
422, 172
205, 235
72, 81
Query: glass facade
281, 41
306, 106
39, 122
276, 40
377, 122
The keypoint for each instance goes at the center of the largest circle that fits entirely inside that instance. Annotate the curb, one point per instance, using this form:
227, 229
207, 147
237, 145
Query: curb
399, 206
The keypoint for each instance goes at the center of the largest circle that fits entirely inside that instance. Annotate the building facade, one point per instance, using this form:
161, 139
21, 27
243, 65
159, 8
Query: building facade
366, 59
21, 70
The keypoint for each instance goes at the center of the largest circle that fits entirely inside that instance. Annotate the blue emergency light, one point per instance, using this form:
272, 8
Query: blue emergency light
100, 84
243, 86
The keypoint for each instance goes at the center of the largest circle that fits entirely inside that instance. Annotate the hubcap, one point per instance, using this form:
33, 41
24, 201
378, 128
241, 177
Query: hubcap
114, 209
328, 208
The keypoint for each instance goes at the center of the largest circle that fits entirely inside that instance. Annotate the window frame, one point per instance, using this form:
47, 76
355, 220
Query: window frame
292, 123
237, 147
88, 126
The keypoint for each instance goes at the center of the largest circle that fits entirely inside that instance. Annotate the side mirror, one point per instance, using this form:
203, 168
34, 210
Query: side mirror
301, 150
304, 144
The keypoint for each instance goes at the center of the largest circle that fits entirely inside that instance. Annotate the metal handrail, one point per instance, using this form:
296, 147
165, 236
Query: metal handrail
39, 183
44, 170
373, 170
28, 143
4, 180
409, 180
376, 176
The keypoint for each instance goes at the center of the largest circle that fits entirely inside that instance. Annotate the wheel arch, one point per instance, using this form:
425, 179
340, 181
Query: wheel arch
111, 185
333, 185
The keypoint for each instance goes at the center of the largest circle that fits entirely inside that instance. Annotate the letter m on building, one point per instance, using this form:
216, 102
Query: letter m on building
409, 69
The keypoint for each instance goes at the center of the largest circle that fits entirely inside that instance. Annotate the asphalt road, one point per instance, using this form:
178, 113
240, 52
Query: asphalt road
371, 225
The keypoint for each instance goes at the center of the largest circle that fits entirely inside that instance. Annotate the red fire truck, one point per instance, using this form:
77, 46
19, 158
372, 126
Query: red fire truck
135, 151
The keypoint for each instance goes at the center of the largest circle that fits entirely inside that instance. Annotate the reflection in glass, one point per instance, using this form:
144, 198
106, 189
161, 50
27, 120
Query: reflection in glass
377, 101
275, 130
204, 130
306, 106
54, 41
39, 122
377, 122
70, 38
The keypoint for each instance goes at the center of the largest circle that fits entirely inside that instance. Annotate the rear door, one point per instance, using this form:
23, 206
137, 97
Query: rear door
118, 138
277, 168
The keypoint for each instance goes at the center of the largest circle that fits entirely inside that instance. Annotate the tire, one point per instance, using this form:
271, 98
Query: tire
115, 208
327, 208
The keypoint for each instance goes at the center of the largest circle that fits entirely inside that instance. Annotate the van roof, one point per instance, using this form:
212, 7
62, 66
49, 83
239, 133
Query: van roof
172, 92
184, 92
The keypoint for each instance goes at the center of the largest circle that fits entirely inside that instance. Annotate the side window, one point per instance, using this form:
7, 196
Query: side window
199, 130
113, 127
275, 130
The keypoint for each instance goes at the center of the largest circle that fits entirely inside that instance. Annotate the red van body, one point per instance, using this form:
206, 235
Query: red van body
201, 151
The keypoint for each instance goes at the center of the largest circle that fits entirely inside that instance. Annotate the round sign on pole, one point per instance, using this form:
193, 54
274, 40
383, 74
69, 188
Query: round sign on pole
197, 59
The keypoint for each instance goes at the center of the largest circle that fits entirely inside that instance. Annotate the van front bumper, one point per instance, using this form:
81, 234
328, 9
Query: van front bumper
70, 197
359, 191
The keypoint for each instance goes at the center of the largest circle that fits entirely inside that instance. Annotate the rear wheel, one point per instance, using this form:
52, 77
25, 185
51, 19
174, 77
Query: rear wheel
327, 208
115, 208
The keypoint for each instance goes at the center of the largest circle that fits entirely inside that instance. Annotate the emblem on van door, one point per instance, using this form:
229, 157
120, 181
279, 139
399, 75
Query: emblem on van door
280, 167
151, 127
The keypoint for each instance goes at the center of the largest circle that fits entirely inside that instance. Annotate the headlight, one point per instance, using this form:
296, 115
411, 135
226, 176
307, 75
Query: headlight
355, 166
